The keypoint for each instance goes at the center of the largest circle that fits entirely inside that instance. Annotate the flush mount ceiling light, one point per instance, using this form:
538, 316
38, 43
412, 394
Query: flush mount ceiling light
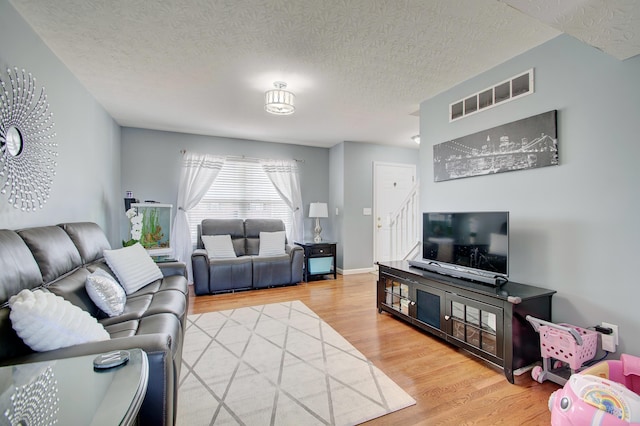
279, 101
416, 139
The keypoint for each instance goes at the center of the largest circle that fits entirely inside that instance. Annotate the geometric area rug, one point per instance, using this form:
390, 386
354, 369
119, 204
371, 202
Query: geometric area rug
278, 364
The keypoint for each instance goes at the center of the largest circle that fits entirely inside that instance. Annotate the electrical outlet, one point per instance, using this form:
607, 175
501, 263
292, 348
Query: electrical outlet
610, 341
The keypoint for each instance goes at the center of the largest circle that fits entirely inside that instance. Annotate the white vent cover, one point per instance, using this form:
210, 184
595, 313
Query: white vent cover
505, 91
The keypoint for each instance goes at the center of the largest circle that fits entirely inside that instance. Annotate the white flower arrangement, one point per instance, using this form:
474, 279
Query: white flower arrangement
136, 226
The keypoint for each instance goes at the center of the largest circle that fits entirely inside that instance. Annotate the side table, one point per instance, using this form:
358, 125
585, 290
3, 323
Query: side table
319, 259
69, 392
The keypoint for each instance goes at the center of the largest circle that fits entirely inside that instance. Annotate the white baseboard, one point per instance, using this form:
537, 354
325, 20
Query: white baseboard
520, 371
355, 271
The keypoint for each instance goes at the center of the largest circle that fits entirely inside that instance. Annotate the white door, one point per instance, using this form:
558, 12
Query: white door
392, 183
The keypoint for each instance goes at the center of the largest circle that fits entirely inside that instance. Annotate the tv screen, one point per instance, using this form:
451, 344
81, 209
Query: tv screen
472, 241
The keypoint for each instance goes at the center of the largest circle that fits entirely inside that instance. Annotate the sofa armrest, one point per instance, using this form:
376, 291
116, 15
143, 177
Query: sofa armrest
200, 265
173, 268
147, 342
292, 249
297, 260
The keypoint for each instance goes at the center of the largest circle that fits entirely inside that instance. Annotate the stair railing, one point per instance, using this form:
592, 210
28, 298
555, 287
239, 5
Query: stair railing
405, 227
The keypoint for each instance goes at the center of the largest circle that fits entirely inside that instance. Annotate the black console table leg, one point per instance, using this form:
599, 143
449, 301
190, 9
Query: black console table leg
508, 373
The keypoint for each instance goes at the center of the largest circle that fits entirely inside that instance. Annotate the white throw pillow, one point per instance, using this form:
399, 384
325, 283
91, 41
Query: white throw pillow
272, 244
218, 246
46, 322
133, 266
106, 293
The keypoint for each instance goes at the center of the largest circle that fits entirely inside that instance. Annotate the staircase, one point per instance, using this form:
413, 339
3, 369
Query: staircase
405, 227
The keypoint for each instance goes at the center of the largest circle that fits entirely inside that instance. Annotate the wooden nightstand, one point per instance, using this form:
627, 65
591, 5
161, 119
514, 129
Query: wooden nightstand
319, 259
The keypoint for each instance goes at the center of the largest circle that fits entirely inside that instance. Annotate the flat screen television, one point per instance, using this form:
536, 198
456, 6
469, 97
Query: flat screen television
471, 245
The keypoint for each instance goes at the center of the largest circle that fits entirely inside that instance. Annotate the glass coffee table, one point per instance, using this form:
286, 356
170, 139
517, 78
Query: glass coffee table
71, 392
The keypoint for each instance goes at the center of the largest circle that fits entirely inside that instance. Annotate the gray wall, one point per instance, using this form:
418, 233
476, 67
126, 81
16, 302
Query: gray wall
151, 163
357, 230
341, 176
574, 227
87, 181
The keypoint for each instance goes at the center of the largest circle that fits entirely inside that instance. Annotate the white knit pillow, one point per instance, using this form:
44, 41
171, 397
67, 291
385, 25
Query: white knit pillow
106, 293
218, 246
133, 266
46, 322
272, 244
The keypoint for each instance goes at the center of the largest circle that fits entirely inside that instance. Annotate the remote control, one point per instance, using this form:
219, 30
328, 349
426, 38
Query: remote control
110, 360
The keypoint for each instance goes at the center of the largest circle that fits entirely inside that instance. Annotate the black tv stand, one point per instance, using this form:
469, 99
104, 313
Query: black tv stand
487, 321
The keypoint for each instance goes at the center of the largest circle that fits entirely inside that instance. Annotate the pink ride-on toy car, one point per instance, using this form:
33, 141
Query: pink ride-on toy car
606, 394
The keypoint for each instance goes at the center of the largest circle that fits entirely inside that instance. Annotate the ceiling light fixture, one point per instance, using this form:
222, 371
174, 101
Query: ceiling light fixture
279, 101
416, 139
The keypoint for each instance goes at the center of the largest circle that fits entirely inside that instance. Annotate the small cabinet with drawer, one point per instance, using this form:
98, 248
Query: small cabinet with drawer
319, 259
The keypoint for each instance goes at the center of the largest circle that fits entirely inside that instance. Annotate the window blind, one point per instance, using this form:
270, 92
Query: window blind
241, 191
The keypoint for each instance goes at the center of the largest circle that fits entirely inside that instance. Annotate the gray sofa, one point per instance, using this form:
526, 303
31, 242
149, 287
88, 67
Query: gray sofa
58, 259
247, 270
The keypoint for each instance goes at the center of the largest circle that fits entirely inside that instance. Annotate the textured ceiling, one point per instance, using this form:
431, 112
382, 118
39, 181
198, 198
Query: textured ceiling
610, 25
359, 68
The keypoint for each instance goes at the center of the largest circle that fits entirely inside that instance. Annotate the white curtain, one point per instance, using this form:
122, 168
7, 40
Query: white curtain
197, 174
286, 179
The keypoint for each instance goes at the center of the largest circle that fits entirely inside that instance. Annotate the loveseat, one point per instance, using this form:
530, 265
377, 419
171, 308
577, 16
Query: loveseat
247, 269
58, 259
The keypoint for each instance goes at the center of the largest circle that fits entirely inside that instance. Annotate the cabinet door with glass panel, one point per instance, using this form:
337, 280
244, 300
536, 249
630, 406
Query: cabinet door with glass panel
396, 295
476, 326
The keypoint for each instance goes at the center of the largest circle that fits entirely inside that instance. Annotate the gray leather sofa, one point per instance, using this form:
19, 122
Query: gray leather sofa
247, 270
58, 259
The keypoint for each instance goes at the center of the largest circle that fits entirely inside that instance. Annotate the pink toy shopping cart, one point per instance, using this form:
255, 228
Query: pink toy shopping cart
565, 349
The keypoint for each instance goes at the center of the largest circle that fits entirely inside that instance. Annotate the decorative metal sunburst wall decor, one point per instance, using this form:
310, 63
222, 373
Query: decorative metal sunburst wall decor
27, 142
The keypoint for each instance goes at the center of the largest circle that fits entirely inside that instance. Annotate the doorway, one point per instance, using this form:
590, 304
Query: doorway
392, 183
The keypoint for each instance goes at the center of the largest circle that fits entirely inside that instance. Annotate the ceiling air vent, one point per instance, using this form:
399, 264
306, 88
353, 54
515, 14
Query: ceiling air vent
505, 91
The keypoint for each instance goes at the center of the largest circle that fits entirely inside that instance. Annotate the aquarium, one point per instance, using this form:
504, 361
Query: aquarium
156, 227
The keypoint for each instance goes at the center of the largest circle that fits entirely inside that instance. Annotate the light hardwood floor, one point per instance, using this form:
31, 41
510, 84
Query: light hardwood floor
450, 386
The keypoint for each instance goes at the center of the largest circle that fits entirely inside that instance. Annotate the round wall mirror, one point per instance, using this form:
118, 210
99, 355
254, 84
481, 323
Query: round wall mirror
14, 141
28, 149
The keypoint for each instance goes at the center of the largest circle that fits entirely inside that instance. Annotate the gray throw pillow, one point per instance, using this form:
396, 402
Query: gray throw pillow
106, 293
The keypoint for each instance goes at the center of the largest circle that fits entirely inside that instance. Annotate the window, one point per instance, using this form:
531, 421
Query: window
241, 190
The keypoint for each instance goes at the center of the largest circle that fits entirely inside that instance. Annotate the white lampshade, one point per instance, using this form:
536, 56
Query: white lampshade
318, 210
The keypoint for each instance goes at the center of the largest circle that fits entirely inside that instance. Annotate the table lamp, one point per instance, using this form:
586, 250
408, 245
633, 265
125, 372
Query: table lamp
318, 210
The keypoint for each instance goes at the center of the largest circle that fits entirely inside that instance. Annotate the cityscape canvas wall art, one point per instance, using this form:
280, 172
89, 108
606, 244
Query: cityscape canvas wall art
524, 144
